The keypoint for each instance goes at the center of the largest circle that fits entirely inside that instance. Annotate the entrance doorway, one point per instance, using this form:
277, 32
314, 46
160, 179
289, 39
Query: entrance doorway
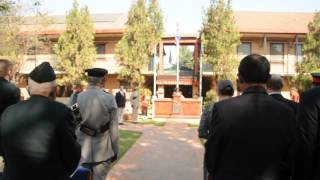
185, 89
206, 85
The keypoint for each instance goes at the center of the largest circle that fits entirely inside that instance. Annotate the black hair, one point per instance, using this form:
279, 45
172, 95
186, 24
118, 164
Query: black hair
227, 91
275, 83
254, 68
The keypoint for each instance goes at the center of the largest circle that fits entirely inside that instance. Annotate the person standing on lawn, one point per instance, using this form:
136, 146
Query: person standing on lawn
98, 133
121, 103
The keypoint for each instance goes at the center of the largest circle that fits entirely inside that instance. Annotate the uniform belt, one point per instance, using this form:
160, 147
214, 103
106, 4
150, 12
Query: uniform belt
94, 132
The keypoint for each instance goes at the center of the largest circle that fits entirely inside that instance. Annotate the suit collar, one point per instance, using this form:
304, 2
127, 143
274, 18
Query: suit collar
38, 97
276, 95
255, 90
93, 87
3, 79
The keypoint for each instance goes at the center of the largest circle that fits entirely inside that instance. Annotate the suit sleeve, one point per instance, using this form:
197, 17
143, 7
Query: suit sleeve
16, 96
114, 132
215, 143
308, 123
70, 150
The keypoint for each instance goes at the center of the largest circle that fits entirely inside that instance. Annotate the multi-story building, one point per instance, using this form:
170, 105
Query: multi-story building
277, 35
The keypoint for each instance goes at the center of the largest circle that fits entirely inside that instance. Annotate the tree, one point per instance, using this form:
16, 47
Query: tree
11, 45
75, 48
5, 6
221, 38
14, 44
143, 32
311, 50
186, 58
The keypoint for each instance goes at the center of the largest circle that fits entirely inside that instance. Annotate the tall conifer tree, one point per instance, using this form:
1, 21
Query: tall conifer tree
75, 48
311, 51
143, 32
221, 39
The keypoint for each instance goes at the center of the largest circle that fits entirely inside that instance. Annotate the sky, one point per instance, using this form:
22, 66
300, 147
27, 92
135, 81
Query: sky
188, 13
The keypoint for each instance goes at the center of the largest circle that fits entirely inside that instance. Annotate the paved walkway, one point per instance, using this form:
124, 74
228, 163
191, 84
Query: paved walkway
172, 152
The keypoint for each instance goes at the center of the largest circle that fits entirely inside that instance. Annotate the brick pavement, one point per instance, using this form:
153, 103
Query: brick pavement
172, 152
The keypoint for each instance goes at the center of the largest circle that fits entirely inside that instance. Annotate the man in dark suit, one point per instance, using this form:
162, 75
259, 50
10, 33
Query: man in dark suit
308, 160
9, 93
274, 86
255, 141
121, 103
37, 138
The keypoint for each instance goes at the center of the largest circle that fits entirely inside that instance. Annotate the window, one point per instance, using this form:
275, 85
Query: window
276, 52
31, 50
299, 52
244, 49
101, 51
101, 48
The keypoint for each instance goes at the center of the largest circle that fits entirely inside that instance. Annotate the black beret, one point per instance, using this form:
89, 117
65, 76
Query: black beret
43, 73
315, 78
96, 72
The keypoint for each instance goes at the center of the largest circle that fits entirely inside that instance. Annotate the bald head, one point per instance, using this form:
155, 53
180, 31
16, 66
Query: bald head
275, 83
5, 67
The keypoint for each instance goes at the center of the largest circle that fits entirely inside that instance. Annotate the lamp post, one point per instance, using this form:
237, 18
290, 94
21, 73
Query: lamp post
36, 4
201, 67
154, 97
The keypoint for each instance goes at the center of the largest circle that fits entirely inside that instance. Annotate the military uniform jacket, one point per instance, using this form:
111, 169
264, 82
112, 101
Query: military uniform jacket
98, 108
135, 98
9, 94
308, 159
253, 137
38, 141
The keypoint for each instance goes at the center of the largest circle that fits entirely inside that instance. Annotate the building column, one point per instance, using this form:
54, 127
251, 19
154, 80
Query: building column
161, 63
160, 91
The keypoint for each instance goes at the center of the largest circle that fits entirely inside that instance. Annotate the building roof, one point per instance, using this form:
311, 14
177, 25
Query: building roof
247, 22
273, 22
104, 23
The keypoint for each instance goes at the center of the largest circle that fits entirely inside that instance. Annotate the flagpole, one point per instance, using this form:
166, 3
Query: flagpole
178, 58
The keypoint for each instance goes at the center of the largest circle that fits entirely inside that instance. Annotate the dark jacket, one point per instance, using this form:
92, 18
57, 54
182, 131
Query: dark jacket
308, 159
293, 105
121, 99
205, 119
9, 94
253, 138
38, 140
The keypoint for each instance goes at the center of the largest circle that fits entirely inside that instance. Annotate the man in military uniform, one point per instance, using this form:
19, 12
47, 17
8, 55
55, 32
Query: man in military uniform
308, 159
134, 100
98, 133
9, 93
37, 137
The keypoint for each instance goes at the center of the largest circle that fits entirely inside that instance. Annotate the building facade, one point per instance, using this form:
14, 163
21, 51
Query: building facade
278, 36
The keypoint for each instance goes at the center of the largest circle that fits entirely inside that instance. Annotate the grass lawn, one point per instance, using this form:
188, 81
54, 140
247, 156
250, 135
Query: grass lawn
203, 141
151, 121
193, 125
127, 139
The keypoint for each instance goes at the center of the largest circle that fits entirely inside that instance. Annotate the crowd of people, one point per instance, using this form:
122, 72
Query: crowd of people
260, 135
41, 138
